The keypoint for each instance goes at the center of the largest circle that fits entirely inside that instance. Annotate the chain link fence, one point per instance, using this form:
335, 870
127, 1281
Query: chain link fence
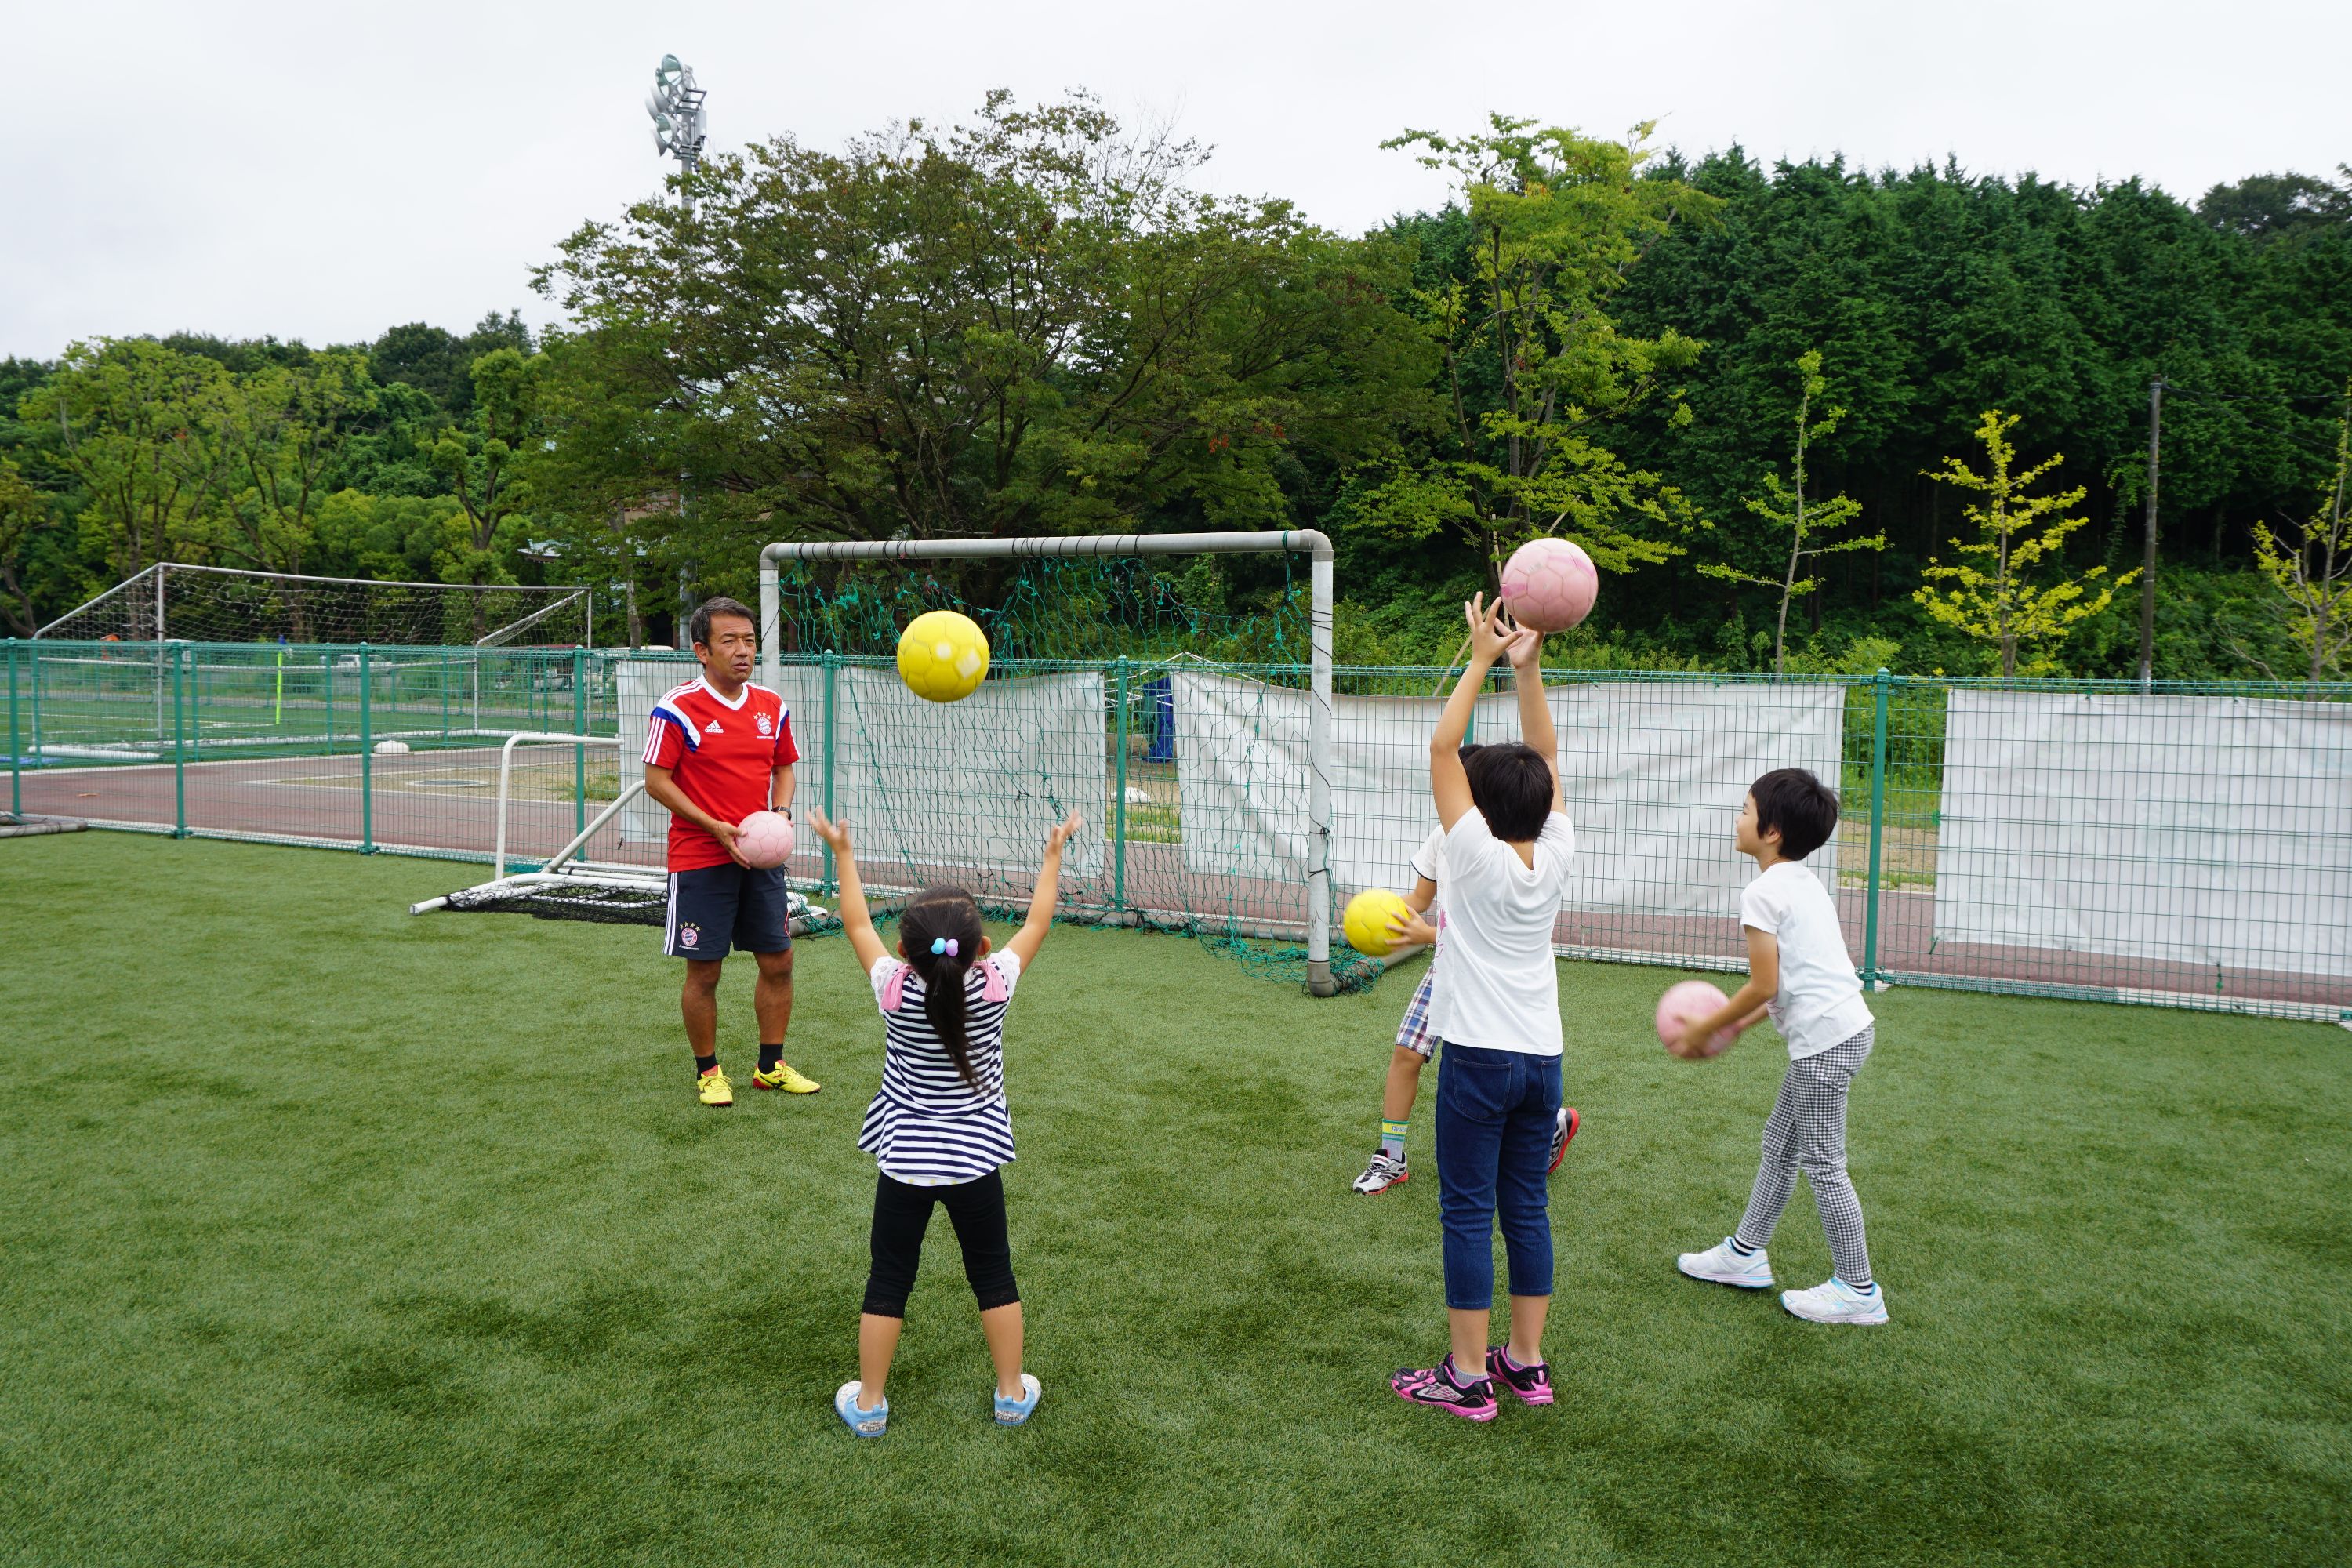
2185, 845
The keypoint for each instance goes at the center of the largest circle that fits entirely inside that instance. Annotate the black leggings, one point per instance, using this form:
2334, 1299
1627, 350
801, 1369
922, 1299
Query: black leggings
901, 1214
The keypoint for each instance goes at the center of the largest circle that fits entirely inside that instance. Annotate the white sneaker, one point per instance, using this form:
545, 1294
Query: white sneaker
1384, 1171
1835, 1301
1723, 1266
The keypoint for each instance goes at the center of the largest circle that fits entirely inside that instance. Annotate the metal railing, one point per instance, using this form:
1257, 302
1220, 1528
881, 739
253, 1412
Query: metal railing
2188, 845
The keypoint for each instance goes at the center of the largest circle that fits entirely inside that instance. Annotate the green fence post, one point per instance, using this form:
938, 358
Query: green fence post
327, 669
444, 697
1118, 844
579, 727
367, 756
830, 661
16, 762
179, 749
1870, 975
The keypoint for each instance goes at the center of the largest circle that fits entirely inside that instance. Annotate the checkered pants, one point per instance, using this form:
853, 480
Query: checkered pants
1807, 1131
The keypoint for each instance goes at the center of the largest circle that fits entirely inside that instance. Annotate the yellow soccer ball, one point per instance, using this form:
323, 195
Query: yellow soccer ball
1367, 920
942, 656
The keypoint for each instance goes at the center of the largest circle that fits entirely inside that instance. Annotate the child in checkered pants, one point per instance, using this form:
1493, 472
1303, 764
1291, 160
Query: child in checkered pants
1800, 975
1414, 1042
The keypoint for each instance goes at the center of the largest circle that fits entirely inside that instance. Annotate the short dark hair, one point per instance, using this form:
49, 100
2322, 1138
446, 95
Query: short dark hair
1510, 784
1803, 809
698, 630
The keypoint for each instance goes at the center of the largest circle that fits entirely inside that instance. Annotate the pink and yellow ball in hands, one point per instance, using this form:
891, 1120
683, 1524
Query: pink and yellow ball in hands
1685, 1005
766, 839
1549, 584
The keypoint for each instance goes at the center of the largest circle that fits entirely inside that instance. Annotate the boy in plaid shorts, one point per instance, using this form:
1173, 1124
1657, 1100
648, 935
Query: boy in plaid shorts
1414, 1042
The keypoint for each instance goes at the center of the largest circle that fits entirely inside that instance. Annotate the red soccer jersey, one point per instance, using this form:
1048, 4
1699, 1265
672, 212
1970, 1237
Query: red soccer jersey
722, 755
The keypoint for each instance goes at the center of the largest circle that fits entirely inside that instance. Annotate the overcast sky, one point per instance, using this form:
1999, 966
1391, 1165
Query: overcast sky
321, 170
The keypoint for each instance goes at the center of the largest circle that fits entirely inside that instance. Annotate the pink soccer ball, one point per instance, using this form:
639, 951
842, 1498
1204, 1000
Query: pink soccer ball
1684, 1004
1549, 584
767, 838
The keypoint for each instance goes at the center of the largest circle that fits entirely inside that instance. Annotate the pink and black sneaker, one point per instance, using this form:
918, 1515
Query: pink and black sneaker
1442, 1387
1531, 1383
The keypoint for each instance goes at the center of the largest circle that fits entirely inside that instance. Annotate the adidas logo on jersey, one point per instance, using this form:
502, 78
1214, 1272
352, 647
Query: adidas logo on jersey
714, 729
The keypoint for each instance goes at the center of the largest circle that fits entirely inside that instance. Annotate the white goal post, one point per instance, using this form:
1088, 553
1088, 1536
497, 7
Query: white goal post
1309, 543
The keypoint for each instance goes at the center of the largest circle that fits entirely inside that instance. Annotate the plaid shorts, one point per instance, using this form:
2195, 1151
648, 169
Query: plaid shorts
1413, 1034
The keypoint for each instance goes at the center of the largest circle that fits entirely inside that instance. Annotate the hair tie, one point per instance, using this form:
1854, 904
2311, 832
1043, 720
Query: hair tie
941, 944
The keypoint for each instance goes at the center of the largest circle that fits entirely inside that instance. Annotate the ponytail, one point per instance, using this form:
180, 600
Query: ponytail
941, 936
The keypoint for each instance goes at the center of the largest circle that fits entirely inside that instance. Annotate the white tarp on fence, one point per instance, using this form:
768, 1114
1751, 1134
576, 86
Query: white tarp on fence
961, 787
936, 788
2207, 830
1654, 773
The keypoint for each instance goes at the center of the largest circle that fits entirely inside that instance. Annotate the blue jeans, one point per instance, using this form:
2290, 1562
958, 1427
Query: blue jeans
1495, 1116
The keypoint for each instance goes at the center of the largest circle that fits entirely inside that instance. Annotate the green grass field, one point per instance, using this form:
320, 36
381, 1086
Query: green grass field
331, 1236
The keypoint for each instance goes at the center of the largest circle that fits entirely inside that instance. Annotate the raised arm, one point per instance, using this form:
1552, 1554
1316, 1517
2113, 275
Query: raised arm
1045, 897
1535, 727
1448, 784
856, 920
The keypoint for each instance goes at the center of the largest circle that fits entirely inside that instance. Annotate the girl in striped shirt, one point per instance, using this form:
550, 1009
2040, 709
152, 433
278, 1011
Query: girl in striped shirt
937, 1128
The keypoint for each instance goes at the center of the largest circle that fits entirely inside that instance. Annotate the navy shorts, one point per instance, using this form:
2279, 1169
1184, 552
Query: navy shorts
714, 910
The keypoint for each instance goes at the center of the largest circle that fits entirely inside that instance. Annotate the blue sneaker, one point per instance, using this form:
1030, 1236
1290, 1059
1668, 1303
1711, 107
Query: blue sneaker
1014, 1411
865, 1423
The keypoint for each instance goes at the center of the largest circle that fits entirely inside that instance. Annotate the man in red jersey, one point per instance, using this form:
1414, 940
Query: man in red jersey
718, 749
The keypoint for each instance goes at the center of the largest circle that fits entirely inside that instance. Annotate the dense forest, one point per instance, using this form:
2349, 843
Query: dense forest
1803, 414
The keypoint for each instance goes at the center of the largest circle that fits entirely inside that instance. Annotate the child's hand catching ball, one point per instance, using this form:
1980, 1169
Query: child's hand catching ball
1683, 1013
1410, 930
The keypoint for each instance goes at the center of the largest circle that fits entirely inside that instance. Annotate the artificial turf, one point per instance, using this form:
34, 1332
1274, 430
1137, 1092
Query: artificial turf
327, 1234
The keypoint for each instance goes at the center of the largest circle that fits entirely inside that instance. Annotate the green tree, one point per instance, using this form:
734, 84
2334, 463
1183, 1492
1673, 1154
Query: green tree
1024, 324
1997, 602
137, 426
2312, 567
1783, 505
24, 512
478, 458
1531, 362
282, 429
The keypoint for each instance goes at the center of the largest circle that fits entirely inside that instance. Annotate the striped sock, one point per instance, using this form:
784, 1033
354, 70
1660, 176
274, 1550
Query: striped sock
1392, 1139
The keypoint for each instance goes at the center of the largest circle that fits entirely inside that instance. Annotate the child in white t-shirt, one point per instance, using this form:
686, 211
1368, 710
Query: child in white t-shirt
1799, 974
1495, 1002
1414, 1042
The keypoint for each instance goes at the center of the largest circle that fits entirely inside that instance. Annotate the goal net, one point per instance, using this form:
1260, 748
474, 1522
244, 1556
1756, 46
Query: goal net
171, 602
1206, 813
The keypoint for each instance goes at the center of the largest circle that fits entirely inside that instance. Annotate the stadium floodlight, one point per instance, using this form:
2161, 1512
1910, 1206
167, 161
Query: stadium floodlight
675, 105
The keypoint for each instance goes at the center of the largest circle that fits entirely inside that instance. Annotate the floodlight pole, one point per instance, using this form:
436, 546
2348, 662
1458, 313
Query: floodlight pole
680, 127
1310, 543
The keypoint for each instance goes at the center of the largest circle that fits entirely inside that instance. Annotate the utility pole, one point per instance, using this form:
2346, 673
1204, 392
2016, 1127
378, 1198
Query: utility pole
679, 131
2147, 560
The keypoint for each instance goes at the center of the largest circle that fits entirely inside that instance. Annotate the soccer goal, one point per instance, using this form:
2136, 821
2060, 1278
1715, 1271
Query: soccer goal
587, 878
1185, 714
176, 603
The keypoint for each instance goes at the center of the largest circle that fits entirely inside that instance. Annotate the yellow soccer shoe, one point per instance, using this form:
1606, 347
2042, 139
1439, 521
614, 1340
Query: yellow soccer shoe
712, 1089
785, 1079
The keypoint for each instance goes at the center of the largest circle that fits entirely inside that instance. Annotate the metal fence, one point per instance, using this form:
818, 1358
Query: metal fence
2185, 845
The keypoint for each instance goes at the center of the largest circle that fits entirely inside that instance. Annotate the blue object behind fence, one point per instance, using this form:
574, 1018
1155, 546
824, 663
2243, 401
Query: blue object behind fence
1163, 693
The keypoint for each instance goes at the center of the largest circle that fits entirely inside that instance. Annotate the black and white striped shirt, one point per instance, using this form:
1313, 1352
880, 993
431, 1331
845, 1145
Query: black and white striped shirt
926, 1126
